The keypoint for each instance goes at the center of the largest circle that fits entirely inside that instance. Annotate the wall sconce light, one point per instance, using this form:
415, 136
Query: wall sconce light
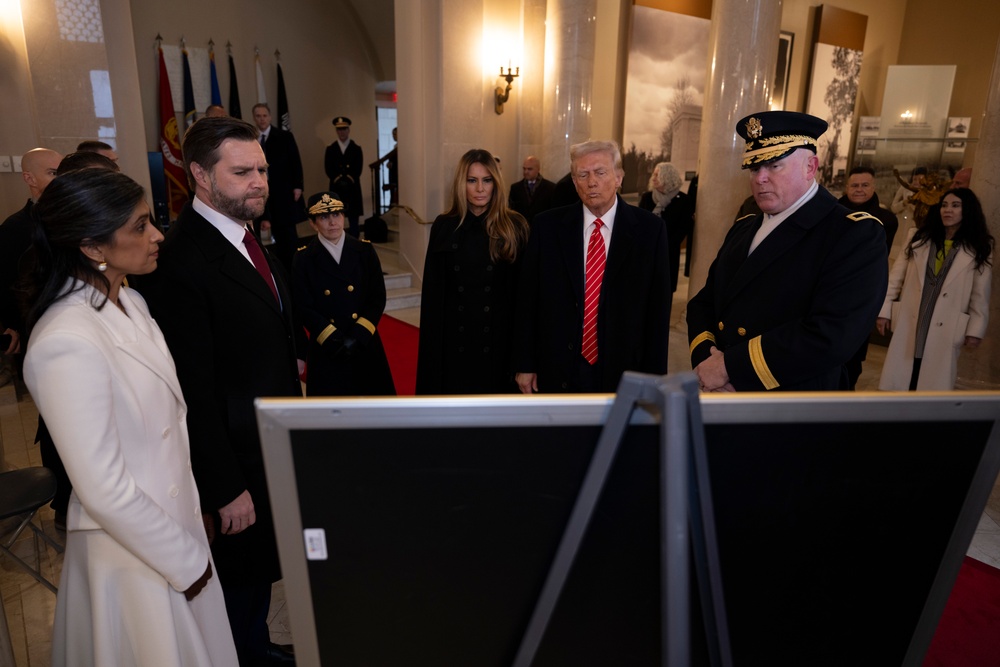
502, 95
906, 116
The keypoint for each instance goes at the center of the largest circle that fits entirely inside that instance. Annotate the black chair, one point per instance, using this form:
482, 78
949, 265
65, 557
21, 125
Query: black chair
22, 493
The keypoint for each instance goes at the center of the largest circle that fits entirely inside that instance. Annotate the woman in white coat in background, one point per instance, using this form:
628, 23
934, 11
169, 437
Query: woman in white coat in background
137, 584
939, 295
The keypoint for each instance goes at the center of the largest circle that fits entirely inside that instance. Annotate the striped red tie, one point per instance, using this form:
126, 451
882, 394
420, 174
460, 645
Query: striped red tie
595, 275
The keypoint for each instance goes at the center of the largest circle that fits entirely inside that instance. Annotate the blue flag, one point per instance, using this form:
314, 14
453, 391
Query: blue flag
216, 94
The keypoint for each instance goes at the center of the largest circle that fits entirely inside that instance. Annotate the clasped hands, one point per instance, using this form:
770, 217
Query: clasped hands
711, 372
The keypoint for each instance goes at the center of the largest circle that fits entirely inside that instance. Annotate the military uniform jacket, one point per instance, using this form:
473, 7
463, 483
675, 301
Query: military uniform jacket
344, 171
792, 313
231, 343
337, 301
633, 320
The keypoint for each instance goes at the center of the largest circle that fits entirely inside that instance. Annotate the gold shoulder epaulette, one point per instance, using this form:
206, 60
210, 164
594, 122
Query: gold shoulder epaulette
744, 217
365, 241
857, 216
303, 247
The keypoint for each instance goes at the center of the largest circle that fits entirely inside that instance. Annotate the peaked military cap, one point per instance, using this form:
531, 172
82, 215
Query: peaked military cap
323, 203
771, 135
341, 121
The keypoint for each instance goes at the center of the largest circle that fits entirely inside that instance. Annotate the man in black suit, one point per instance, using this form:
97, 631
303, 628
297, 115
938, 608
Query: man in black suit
343, 162
223, 306
579, 333
285, 207
532, 194
795, 290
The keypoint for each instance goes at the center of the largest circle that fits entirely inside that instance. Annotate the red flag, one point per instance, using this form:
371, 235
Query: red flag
170, 146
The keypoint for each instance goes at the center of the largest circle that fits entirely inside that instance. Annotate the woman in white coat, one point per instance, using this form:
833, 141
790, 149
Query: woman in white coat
137, 584
939, 296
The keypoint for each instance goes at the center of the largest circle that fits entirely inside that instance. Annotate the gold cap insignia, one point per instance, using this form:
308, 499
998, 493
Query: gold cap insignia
754, 128
326, 204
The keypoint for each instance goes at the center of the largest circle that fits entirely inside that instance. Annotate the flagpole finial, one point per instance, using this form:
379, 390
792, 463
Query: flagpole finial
158, 40
256, 51
229, 47
211, 44
277, 54
183, 43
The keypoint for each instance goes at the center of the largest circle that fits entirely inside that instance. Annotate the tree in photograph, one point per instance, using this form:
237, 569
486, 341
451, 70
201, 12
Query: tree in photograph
841, 94
681, 97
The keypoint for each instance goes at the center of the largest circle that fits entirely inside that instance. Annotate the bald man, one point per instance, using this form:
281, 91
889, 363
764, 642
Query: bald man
533, 194
38, 167
962, 178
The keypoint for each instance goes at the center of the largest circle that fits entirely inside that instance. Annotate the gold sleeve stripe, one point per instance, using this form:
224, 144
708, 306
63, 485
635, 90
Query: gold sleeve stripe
760, 366
701, 338
367, 325
325, 333
862, 215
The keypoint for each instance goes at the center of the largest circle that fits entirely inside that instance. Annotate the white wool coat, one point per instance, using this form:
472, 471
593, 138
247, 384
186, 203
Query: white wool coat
107, 388
962, 309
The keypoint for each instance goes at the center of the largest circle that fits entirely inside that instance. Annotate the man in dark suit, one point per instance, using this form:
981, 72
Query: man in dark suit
795, 290
594, 297
532, 194
223, 306
344, 161
285, 207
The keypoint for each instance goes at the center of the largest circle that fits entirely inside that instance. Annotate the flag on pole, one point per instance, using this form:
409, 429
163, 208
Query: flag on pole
234, 91
216, 93
261, 94
170, 146
189, 110
283, 115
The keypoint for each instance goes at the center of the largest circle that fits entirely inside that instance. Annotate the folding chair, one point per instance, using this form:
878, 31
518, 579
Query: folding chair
22, 493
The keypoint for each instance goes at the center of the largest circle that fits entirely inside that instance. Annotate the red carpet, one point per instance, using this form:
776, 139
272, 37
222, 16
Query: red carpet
968, 634
400, 342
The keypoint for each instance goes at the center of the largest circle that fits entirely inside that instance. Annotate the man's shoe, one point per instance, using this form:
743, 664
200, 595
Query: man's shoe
280, 654
60, 521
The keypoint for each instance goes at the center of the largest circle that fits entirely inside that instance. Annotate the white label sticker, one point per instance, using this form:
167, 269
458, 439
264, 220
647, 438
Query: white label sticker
315, 543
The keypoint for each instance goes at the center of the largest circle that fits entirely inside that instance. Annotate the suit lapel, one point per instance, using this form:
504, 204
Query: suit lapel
572, 231
622, 240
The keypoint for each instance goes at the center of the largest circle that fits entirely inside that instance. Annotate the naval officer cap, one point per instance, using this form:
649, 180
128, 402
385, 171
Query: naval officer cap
341, 121
771, 135
323, 203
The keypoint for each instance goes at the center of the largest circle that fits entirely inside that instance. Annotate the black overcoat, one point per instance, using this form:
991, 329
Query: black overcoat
679, 216
231, 343
633, 322
792, 313
334, 302
344, 171
530, 204
466, 311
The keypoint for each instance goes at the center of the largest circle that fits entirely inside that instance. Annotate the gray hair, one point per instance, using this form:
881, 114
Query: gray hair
577, 151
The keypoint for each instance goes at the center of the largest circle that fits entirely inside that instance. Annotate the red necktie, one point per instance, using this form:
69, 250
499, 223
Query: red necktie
595, 275
257, 257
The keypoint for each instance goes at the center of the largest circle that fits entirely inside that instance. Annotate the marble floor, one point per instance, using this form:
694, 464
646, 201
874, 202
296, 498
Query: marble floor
30, 607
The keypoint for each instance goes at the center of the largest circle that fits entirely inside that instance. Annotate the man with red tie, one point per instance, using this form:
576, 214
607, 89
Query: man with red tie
594, 297
224, 307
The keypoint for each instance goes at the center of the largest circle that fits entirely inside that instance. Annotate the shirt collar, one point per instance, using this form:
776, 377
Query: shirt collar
233, 230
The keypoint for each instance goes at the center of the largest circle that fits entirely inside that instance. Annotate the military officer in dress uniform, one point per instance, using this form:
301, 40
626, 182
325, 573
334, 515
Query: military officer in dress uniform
795, 290
339, 295
344, 161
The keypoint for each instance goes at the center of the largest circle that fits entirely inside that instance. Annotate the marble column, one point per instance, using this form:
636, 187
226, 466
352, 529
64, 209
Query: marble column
979, 369
570, 45
742, 55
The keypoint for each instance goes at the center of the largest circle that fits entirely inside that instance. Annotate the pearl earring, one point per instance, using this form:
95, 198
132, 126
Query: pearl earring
102, 267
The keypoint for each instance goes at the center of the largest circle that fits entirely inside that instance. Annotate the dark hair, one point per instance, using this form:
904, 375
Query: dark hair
77, 208
972, 234
506, 228
919, 171
85, 160
93, 146
862, 170
203, 138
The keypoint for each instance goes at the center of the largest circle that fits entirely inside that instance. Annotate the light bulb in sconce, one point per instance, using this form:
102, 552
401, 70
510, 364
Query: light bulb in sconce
503, 94
906, 116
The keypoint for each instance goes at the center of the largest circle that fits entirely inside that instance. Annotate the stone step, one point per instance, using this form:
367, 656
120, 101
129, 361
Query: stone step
406, 297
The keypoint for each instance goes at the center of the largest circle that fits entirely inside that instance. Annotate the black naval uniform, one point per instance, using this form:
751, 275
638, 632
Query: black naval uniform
335, 303
791, 314
343, 168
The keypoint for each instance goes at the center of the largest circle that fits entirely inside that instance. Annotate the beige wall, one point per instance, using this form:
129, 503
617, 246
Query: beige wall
18, 132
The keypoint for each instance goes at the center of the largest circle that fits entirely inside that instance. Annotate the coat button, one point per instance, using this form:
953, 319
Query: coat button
326, 292
741, 331
166, 433
456, 267
461, 288
721, 326
354, 316
564, 385
174, 491
350, 288
486, 309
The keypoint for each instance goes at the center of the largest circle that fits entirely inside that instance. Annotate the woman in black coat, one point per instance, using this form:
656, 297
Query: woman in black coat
339, 295
666, 200
470, 280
